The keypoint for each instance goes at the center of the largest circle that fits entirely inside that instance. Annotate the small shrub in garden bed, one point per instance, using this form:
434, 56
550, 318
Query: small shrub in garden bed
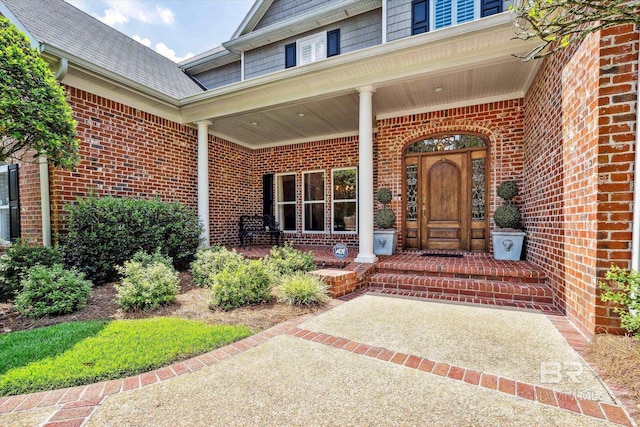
106, 231
19, 258
146, 286
302, 289
248, 283
52, 290
146, 259
213, 260
623, 288
285, 260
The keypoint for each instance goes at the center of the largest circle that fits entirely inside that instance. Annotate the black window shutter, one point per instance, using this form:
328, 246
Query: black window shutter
14, 203
333, 43
491, 7
419, 16
290, 55
267, 194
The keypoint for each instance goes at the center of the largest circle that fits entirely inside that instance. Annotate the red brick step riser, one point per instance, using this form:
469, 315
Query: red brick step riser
537, 293
479, 275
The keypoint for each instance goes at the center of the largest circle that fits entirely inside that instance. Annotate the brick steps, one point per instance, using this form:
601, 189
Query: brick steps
472, 278
463, 287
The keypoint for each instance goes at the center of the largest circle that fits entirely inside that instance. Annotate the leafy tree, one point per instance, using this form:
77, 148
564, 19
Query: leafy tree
34, 113
565, 22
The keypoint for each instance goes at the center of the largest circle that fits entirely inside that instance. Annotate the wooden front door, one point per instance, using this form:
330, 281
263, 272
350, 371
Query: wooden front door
445, 200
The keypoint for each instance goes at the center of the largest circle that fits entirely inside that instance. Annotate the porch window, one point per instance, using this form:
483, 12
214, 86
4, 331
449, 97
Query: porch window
313, 201
344, 200
286, 201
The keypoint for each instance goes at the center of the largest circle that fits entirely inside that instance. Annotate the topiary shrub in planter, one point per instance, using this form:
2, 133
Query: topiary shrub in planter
385, 239
507, 238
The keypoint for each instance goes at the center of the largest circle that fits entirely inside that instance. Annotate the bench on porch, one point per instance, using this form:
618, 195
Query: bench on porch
252, 225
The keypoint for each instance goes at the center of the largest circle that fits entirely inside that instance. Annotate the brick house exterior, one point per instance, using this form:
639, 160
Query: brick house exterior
563, 128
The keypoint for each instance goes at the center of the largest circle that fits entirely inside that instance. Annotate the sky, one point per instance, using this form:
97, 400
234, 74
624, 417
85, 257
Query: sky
177, 29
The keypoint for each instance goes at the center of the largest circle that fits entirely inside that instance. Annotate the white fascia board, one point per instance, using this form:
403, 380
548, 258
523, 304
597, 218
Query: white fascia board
256, 13
446, 35
6, 12
112, 77
217, 59
333, 12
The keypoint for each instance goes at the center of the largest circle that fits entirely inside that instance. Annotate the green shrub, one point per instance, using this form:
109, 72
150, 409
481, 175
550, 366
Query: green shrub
286, 260
623, 288
248, 283
385, 218
146, 259
52, 290
211, 261
104, 232
302, 289
148, 286
19, 258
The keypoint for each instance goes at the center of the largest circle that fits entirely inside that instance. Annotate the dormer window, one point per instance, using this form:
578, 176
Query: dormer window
312, 48
436, 14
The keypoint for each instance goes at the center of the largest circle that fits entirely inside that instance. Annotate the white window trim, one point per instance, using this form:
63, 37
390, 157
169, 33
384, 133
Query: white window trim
305, 203
454, 14
300, 42
334, 201
278, 203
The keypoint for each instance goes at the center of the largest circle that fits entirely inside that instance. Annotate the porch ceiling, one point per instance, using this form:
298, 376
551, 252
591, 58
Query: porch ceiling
463, 65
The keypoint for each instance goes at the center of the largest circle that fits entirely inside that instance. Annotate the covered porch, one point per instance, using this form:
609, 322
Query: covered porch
452, 276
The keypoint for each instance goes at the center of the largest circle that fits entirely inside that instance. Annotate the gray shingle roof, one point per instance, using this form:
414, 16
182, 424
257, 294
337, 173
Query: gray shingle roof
61, 25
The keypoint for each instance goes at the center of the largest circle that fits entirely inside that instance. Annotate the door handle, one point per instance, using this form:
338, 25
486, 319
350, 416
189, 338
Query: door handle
424, 206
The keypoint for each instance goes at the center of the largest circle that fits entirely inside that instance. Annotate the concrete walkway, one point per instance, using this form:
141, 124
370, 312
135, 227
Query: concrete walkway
374, 360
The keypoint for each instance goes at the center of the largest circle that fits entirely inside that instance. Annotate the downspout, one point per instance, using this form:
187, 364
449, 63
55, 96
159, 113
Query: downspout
45, 194
635, 240
384, 21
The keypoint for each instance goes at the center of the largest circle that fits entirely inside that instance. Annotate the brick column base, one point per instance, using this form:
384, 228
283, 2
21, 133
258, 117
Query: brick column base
339, 282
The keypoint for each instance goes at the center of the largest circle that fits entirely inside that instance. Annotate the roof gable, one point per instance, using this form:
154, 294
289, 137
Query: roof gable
57, 24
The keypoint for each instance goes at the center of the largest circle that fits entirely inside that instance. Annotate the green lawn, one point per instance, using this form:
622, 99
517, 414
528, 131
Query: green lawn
79, 353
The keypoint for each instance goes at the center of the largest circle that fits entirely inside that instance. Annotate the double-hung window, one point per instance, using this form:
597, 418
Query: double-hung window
286, 201
313, 201
344, 184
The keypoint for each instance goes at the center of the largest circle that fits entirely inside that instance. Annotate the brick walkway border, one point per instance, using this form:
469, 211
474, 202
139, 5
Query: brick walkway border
76, 405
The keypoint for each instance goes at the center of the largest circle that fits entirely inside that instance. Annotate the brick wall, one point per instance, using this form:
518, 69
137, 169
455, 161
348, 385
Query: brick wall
616, 150
30, 206
578, 214
233, 191
500, 122
126, 152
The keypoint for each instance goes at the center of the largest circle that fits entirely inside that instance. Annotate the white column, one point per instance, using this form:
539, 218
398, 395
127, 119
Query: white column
203, 179
45, 201
365, 176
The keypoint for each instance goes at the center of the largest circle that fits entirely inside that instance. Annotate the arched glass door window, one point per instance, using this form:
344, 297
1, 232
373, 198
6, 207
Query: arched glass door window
446, 143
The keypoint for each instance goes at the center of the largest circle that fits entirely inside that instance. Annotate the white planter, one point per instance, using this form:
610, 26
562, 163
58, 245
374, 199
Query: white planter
385, 241
507, 245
